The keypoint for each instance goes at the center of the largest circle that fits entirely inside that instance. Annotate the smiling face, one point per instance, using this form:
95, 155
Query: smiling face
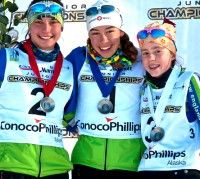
105, 40
156, 59
45, 32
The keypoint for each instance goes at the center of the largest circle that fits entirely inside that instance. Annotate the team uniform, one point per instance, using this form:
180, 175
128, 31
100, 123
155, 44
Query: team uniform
107, 141
31, 139
177, 154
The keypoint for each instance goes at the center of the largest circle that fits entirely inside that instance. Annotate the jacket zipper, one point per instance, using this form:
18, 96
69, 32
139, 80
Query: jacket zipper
39, 161
112, 99
106, 149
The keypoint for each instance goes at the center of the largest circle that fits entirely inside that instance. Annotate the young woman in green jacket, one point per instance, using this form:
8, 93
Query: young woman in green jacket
107, 116
36, 97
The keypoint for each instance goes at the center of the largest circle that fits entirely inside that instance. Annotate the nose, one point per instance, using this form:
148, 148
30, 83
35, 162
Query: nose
104, 38
152, 56
46, 27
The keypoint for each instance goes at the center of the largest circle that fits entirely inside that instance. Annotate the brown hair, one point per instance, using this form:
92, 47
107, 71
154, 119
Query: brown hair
128, 48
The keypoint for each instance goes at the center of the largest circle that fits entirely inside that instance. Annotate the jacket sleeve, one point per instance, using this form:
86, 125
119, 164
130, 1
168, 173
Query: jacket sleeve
2, 64
77, 58
70, 108
193, 99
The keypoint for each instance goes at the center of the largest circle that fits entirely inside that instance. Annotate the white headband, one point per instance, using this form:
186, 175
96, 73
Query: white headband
112, 18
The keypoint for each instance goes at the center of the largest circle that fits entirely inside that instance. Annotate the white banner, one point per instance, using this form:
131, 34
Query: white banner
136, 14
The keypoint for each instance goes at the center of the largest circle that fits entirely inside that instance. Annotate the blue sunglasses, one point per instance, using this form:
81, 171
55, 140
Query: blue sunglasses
155, 33
41, 7
103, 9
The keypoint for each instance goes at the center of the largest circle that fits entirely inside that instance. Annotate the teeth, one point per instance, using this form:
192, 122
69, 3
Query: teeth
104, 48
153, 66
46, 38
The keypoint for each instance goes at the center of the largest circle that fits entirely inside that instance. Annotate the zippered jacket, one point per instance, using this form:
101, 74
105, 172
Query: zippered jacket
107, 141
31, 140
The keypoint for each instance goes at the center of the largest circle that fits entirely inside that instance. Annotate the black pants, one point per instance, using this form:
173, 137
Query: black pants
10, 175
84, 172
176, 174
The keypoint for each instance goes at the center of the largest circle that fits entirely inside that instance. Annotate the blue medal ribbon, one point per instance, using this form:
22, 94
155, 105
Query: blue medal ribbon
105, 88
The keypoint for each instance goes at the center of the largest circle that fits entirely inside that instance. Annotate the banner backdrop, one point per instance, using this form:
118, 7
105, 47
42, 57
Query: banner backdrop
136, 14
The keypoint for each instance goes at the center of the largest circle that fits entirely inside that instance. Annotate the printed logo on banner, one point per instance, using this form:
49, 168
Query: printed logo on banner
73, 13
184, 10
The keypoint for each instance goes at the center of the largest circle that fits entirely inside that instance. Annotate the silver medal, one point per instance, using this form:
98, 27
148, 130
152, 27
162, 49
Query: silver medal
47, 104
157, 134
105, 106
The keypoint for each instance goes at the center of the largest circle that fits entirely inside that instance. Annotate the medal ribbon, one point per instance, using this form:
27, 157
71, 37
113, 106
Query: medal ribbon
159, 111
48, 86
105, 88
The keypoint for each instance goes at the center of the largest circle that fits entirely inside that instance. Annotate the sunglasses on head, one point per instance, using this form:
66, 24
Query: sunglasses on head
103, 9
42, 7
155, 33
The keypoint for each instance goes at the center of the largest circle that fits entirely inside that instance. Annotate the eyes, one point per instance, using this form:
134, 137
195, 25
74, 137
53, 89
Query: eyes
52, 21
98, 33
156, 52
